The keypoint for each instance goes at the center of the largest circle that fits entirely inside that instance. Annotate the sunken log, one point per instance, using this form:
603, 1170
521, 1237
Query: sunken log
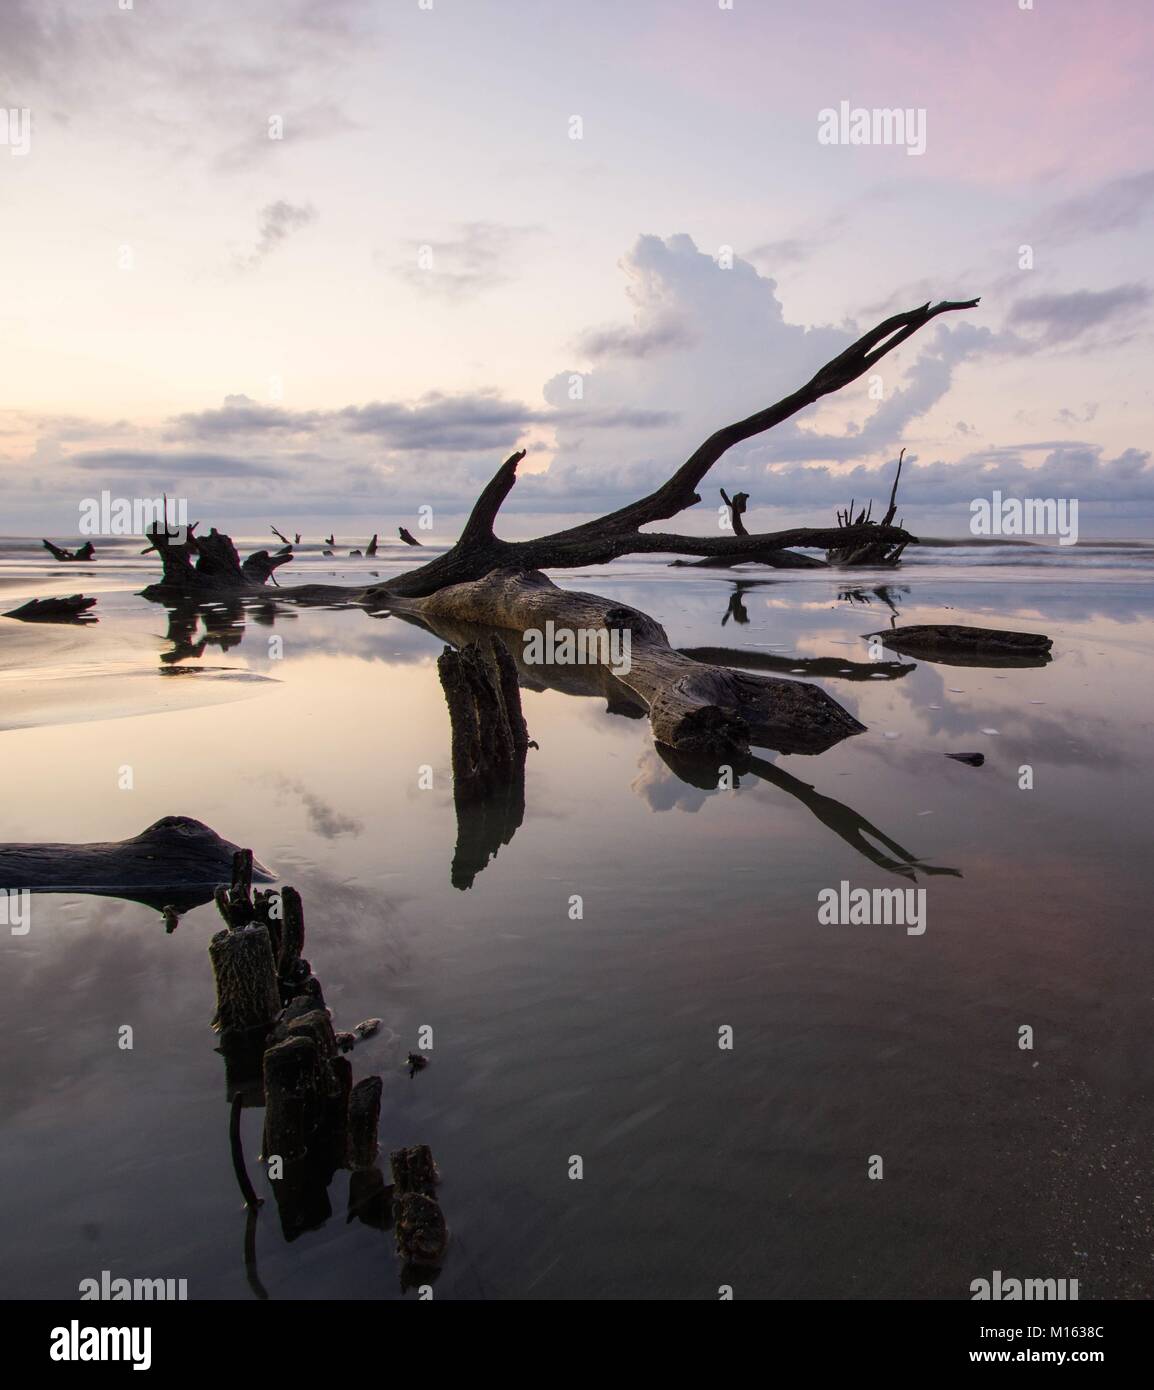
176, 862
247, 991
829, 667
364, 1118
85, 552
54, 610
407, 536
954, 645
691, 706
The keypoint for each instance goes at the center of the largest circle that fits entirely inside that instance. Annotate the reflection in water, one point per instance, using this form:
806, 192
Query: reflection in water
843, 820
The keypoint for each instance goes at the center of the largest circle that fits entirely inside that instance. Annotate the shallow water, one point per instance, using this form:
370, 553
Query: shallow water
598, 1037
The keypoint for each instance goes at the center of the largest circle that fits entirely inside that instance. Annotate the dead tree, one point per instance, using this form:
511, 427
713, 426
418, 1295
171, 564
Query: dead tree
407, 537
478, 551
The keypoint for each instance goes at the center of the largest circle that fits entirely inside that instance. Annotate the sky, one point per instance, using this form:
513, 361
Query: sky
327, 263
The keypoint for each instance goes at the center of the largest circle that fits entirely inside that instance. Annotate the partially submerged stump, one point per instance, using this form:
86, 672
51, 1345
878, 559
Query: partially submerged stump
489, 734
489, 745
954, 645
407, 536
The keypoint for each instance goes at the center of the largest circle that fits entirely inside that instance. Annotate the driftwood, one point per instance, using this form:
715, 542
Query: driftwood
371, 549
692, 707
407, 536
71, 609
830, 667
85, 552
955, 645
176, 861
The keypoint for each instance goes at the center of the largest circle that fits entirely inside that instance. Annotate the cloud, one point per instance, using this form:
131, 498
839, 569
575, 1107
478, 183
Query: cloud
1061, 318
1112, 206
162, 466
465, 423
278, 221
478, 258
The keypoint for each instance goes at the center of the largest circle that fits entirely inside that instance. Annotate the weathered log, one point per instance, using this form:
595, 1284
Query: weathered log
371, 550
176, 861
364, 1118
247, 993
954, 645
54, 610
691, 706
407, 537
